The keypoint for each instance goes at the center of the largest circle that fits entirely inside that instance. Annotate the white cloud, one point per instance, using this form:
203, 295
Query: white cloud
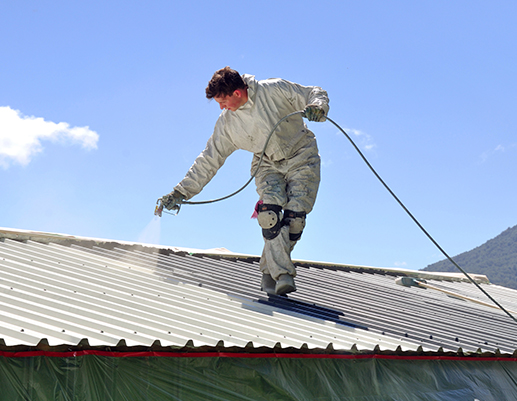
21, 136
366, 141
326, 162
490, 153
499, 149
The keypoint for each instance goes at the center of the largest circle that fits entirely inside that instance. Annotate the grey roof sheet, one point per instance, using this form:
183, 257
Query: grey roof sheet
66, 290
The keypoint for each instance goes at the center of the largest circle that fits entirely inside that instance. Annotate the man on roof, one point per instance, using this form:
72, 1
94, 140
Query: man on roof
288, 178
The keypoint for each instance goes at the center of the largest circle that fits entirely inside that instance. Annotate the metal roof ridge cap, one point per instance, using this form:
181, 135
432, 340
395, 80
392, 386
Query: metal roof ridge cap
478, 278
59, 238
19, 234
37, 236
414, 273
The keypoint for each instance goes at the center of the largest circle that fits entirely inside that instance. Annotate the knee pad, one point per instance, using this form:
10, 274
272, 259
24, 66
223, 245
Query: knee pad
296, 223
270, 219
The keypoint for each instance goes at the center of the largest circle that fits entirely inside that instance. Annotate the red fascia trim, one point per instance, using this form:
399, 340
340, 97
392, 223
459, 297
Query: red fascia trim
146, 354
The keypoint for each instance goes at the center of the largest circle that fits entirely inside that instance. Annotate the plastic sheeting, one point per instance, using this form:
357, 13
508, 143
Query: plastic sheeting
106, 378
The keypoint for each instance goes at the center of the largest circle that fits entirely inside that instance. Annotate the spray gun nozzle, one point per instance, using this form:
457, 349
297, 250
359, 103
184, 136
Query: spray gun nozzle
159, 208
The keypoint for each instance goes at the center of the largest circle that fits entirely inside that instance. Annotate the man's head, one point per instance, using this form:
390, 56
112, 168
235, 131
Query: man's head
228, 89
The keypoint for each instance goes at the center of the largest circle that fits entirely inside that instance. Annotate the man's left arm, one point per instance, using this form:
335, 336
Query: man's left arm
312, 99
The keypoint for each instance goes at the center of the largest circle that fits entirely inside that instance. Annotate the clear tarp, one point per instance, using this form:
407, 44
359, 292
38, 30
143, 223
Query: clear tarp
130, 377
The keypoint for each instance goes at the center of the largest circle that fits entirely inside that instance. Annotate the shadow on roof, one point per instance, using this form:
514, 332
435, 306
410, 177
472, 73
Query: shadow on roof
308, 309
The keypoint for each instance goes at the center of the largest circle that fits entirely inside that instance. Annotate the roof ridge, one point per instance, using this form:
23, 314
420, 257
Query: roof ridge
66, 239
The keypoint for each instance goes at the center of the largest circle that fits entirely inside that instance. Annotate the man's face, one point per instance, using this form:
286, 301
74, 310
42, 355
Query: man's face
232, 102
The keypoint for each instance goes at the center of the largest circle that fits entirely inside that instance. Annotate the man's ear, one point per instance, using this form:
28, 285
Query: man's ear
238, 92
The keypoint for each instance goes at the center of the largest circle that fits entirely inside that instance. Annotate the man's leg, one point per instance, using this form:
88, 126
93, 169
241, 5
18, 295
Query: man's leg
292, 184
276, 255
275, 262
302, 181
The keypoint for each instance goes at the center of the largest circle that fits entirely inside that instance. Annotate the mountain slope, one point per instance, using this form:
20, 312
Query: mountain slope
496, 258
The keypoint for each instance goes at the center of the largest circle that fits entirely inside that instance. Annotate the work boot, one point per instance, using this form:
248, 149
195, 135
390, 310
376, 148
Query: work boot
268, 284
285, 284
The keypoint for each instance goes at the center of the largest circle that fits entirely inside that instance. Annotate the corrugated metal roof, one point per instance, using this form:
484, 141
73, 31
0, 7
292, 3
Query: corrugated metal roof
66, 289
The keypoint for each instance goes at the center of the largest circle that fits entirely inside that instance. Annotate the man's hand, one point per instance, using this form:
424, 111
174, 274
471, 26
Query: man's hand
313, 112
173, 200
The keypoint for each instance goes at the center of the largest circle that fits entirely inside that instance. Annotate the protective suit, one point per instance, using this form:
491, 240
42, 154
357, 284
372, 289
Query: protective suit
289, 175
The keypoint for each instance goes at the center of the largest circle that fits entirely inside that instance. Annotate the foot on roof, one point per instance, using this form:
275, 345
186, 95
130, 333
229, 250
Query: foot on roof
285, 284
268, 283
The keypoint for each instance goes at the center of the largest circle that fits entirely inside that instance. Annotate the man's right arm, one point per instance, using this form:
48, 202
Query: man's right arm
206, 165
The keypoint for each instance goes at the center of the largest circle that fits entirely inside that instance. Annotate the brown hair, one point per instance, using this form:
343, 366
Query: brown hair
224, 82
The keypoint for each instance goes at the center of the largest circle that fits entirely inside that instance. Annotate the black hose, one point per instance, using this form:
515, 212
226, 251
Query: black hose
382, 182
420, 225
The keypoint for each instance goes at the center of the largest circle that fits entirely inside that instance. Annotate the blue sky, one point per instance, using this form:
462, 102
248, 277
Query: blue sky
102, 111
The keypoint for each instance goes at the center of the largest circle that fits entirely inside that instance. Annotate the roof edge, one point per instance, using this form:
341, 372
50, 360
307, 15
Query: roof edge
248, 351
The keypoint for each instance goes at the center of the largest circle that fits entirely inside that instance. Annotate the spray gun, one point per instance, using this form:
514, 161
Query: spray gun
158, 210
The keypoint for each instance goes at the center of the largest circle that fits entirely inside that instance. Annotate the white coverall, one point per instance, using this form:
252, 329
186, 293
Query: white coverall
289, 175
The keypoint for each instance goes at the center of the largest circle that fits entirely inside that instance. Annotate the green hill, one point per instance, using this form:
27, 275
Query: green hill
496, 258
